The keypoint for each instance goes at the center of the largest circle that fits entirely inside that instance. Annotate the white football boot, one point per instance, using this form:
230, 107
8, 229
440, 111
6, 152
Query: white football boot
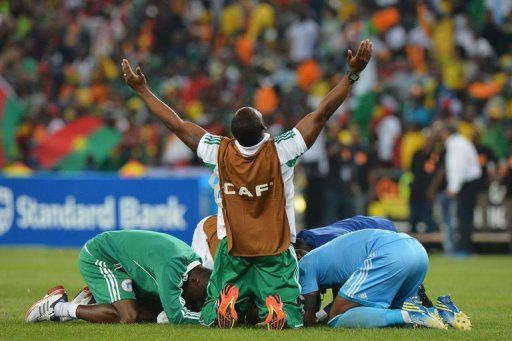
84, 297
43, 310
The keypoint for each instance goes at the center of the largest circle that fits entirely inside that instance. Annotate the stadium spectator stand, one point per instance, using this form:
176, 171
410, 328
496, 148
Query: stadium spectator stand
64, 105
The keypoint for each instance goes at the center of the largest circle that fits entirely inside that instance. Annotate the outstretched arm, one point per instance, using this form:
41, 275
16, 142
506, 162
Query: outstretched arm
188, 132
311, 125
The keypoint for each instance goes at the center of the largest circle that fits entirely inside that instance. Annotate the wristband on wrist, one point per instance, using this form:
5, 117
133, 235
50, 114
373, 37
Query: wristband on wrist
321, 315
352, 76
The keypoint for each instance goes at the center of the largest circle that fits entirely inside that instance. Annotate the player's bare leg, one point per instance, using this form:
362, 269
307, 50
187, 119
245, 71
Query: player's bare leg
340, 305
124, 311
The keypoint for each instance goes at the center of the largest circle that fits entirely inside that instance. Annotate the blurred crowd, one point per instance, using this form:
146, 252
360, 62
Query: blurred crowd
434, 61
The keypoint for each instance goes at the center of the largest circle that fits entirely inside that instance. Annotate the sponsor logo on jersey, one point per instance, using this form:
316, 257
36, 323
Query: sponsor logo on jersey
230, 189
6, 209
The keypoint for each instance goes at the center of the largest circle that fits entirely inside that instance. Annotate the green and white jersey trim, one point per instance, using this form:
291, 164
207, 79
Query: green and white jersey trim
212, 139
290, 134
185, 312
146, 271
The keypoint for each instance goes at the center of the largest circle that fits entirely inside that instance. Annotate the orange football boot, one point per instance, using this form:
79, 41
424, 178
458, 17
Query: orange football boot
226, 313
276, 318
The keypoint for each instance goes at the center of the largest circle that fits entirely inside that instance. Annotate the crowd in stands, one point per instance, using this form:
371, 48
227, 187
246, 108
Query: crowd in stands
434, 60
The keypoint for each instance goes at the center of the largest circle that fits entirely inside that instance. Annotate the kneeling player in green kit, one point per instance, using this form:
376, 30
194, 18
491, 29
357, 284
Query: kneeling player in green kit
132, 276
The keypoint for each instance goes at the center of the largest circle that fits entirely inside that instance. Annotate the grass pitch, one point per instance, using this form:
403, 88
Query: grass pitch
481, 286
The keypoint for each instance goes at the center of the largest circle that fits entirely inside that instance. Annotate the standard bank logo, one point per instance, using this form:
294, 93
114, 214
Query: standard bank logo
27, 212
6, 209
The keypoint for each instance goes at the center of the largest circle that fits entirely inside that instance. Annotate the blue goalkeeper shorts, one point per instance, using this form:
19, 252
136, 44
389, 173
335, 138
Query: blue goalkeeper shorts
388, 276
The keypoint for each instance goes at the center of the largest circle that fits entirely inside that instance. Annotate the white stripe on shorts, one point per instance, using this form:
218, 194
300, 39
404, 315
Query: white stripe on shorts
113, 283
367, 265
353, 280
370, 265
116, 286
98, 263
357, 279
296, 271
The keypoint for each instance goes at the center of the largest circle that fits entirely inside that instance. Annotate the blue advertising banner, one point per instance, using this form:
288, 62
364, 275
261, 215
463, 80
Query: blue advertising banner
60, 210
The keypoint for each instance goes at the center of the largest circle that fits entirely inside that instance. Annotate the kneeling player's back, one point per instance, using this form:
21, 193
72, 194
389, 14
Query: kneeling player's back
361, 243
334, 262
139, 245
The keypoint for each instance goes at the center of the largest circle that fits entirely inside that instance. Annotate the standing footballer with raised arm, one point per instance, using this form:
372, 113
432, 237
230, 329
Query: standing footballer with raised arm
256, 223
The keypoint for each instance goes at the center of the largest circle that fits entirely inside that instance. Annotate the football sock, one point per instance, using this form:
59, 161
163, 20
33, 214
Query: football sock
368, 317
65, 309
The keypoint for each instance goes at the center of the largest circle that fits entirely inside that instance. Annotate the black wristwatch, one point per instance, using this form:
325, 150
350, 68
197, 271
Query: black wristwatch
352, 76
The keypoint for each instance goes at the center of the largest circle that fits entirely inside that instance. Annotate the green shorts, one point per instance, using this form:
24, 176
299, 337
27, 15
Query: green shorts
108, 282
256, 279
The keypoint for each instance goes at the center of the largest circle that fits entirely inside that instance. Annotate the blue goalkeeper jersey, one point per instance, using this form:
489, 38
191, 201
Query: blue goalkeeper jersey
322, 235
333, 263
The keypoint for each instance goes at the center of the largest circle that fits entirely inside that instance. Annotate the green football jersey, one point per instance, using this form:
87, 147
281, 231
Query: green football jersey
157, 263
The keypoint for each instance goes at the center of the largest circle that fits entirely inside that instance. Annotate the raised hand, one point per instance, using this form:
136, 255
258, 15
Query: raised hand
188, 132
358, 62
136, 80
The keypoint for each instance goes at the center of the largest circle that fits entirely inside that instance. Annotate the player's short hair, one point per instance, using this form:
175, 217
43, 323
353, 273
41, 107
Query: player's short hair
247, 126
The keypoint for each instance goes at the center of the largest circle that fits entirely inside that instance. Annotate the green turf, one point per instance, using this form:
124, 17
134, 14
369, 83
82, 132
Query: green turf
480, 285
